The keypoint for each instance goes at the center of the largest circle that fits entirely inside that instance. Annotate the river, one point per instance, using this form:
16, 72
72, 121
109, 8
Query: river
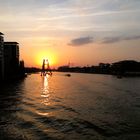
80, 107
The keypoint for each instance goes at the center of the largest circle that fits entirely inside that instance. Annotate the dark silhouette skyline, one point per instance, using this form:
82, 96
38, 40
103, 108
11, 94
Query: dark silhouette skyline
124, 68
11, 67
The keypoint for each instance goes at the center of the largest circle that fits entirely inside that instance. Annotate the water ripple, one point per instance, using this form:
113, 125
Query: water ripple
93, 107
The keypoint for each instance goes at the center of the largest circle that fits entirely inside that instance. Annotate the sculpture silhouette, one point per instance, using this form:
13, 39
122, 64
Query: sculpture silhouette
46, 68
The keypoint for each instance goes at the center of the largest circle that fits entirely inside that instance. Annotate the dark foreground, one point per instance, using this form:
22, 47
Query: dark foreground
80, 107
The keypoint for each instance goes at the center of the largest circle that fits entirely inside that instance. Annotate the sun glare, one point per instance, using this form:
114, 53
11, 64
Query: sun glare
46, 55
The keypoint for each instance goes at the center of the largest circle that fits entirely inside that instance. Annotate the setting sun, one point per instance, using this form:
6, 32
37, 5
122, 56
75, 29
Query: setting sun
46, 55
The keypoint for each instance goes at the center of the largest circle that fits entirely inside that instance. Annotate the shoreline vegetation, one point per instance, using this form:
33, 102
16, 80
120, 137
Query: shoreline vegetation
120, 69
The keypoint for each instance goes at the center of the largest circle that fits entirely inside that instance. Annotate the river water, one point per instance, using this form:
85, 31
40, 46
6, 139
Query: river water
80, 107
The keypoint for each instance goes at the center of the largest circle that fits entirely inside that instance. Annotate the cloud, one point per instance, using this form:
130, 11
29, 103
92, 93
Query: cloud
132, 37
81, 41
108, 40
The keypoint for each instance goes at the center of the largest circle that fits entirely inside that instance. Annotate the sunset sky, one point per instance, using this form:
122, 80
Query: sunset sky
83, 32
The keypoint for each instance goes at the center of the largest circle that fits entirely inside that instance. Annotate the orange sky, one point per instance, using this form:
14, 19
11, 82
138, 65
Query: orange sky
80, 32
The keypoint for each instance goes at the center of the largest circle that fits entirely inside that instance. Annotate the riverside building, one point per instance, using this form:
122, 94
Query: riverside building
11, 59
1, 56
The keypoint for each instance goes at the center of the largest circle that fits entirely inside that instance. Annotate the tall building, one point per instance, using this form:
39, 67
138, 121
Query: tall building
1, 56
11, 59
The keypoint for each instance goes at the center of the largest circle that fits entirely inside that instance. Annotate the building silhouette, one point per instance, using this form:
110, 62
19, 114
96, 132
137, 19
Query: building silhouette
126, 67
1, 56
11, 59
10, 65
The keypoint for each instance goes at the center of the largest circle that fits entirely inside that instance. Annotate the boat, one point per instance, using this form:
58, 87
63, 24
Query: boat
68, 75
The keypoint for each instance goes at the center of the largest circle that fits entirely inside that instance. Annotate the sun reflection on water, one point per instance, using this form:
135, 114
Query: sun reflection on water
45, 90
45, 86
42, 114
45, 101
